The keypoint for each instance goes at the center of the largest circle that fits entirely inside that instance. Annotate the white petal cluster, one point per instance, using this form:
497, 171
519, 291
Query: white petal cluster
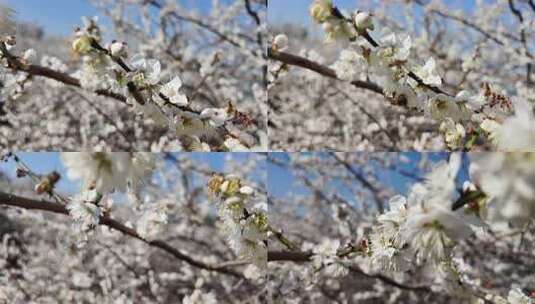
85, 213
397, 47
245, 226
423, 224
517, 133
149, 69
516, 296
349, 65
106, 171
428, 73
152, 221
171, 90
509, 181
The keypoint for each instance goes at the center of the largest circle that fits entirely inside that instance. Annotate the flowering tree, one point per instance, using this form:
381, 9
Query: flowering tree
161, 77
403, 228
399, 75
150, 228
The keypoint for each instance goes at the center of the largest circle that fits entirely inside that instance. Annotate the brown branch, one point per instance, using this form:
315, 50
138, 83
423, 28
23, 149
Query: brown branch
302, 62
303, 257
43, 205
18, 65
251, 12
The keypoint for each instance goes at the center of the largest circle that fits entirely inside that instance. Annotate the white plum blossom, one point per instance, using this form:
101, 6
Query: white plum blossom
85, 213
516, 296
508, 179
385, 242
349, 64
433, 231
152, 221
104, 171
245, 226
424, 221
171, 90
517, 133
428, 73
149, 69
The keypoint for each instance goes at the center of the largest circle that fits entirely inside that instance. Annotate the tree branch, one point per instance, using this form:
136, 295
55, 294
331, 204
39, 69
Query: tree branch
43, 205
302, 257
17, 65
302, 62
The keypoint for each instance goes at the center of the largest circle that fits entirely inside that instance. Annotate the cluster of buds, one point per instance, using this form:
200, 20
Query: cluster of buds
86, 37
336, 25
228, 186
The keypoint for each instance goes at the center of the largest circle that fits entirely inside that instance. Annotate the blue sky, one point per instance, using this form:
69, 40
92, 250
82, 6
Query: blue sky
60, 17
282, 182
296, 11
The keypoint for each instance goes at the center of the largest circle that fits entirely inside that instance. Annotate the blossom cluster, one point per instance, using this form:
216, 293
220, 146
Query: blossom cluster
245, 226
183, 103
467, 119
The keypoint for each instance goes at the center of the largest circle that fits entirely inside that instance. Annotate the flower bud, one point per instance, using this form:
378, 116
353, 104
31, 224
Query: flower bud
29, 55
280, 43
118, 49
363, 21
